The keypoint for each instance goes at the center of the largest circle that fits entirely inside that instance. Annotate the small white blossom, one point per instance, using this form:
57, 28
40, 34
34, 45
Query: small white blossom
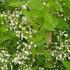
35, 45
66, 35
44, 3
24, 6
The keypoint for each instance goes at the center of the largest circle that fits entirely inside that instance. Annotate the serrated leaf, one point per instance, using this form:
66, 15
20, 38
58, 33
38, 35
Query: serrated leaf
50, 22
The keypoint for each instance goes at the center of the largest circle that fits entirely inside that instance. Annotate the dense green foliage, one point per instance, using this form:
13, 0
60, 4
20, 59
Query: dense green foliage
34, 34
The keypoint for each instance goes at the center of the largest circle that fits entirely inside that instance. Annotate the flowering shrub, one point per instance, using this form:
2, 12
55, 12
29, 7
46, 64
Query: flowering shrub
34, 35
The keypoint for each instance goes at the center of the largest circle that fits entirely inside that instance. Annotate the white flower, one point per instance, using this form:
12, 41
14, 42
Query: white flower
2, 60
69, 58
6, 60
47, 4
33, 60
20, 26
60, 48
19, 62
25, 37
22, 36
16, 23
24, 6
60, 56
18, 46
2, 23
41, 68
24, 18
7, 55
29, 46
25, 44
65, 19
35, 31
44, 3
26, 52
17, 42
15, 27
25, 57
23, 28
3, 51
17, 15
69, 51
63, 3
61, 14
52, 54
1, 15
57, 58
27, 32
30, 32
2, 68
57, 2
35, 45
66, 35
30, 36
18, 32
18, 35
31, 42
65, 55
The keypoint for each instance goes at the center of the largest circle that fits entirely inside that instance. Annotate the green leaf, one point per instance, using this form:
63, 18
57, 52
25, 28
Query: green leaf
1, 19
47, 55
67, 3
6, 36
50, 21
67, 65
4, 28
62, 24
36, 4
16, 4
